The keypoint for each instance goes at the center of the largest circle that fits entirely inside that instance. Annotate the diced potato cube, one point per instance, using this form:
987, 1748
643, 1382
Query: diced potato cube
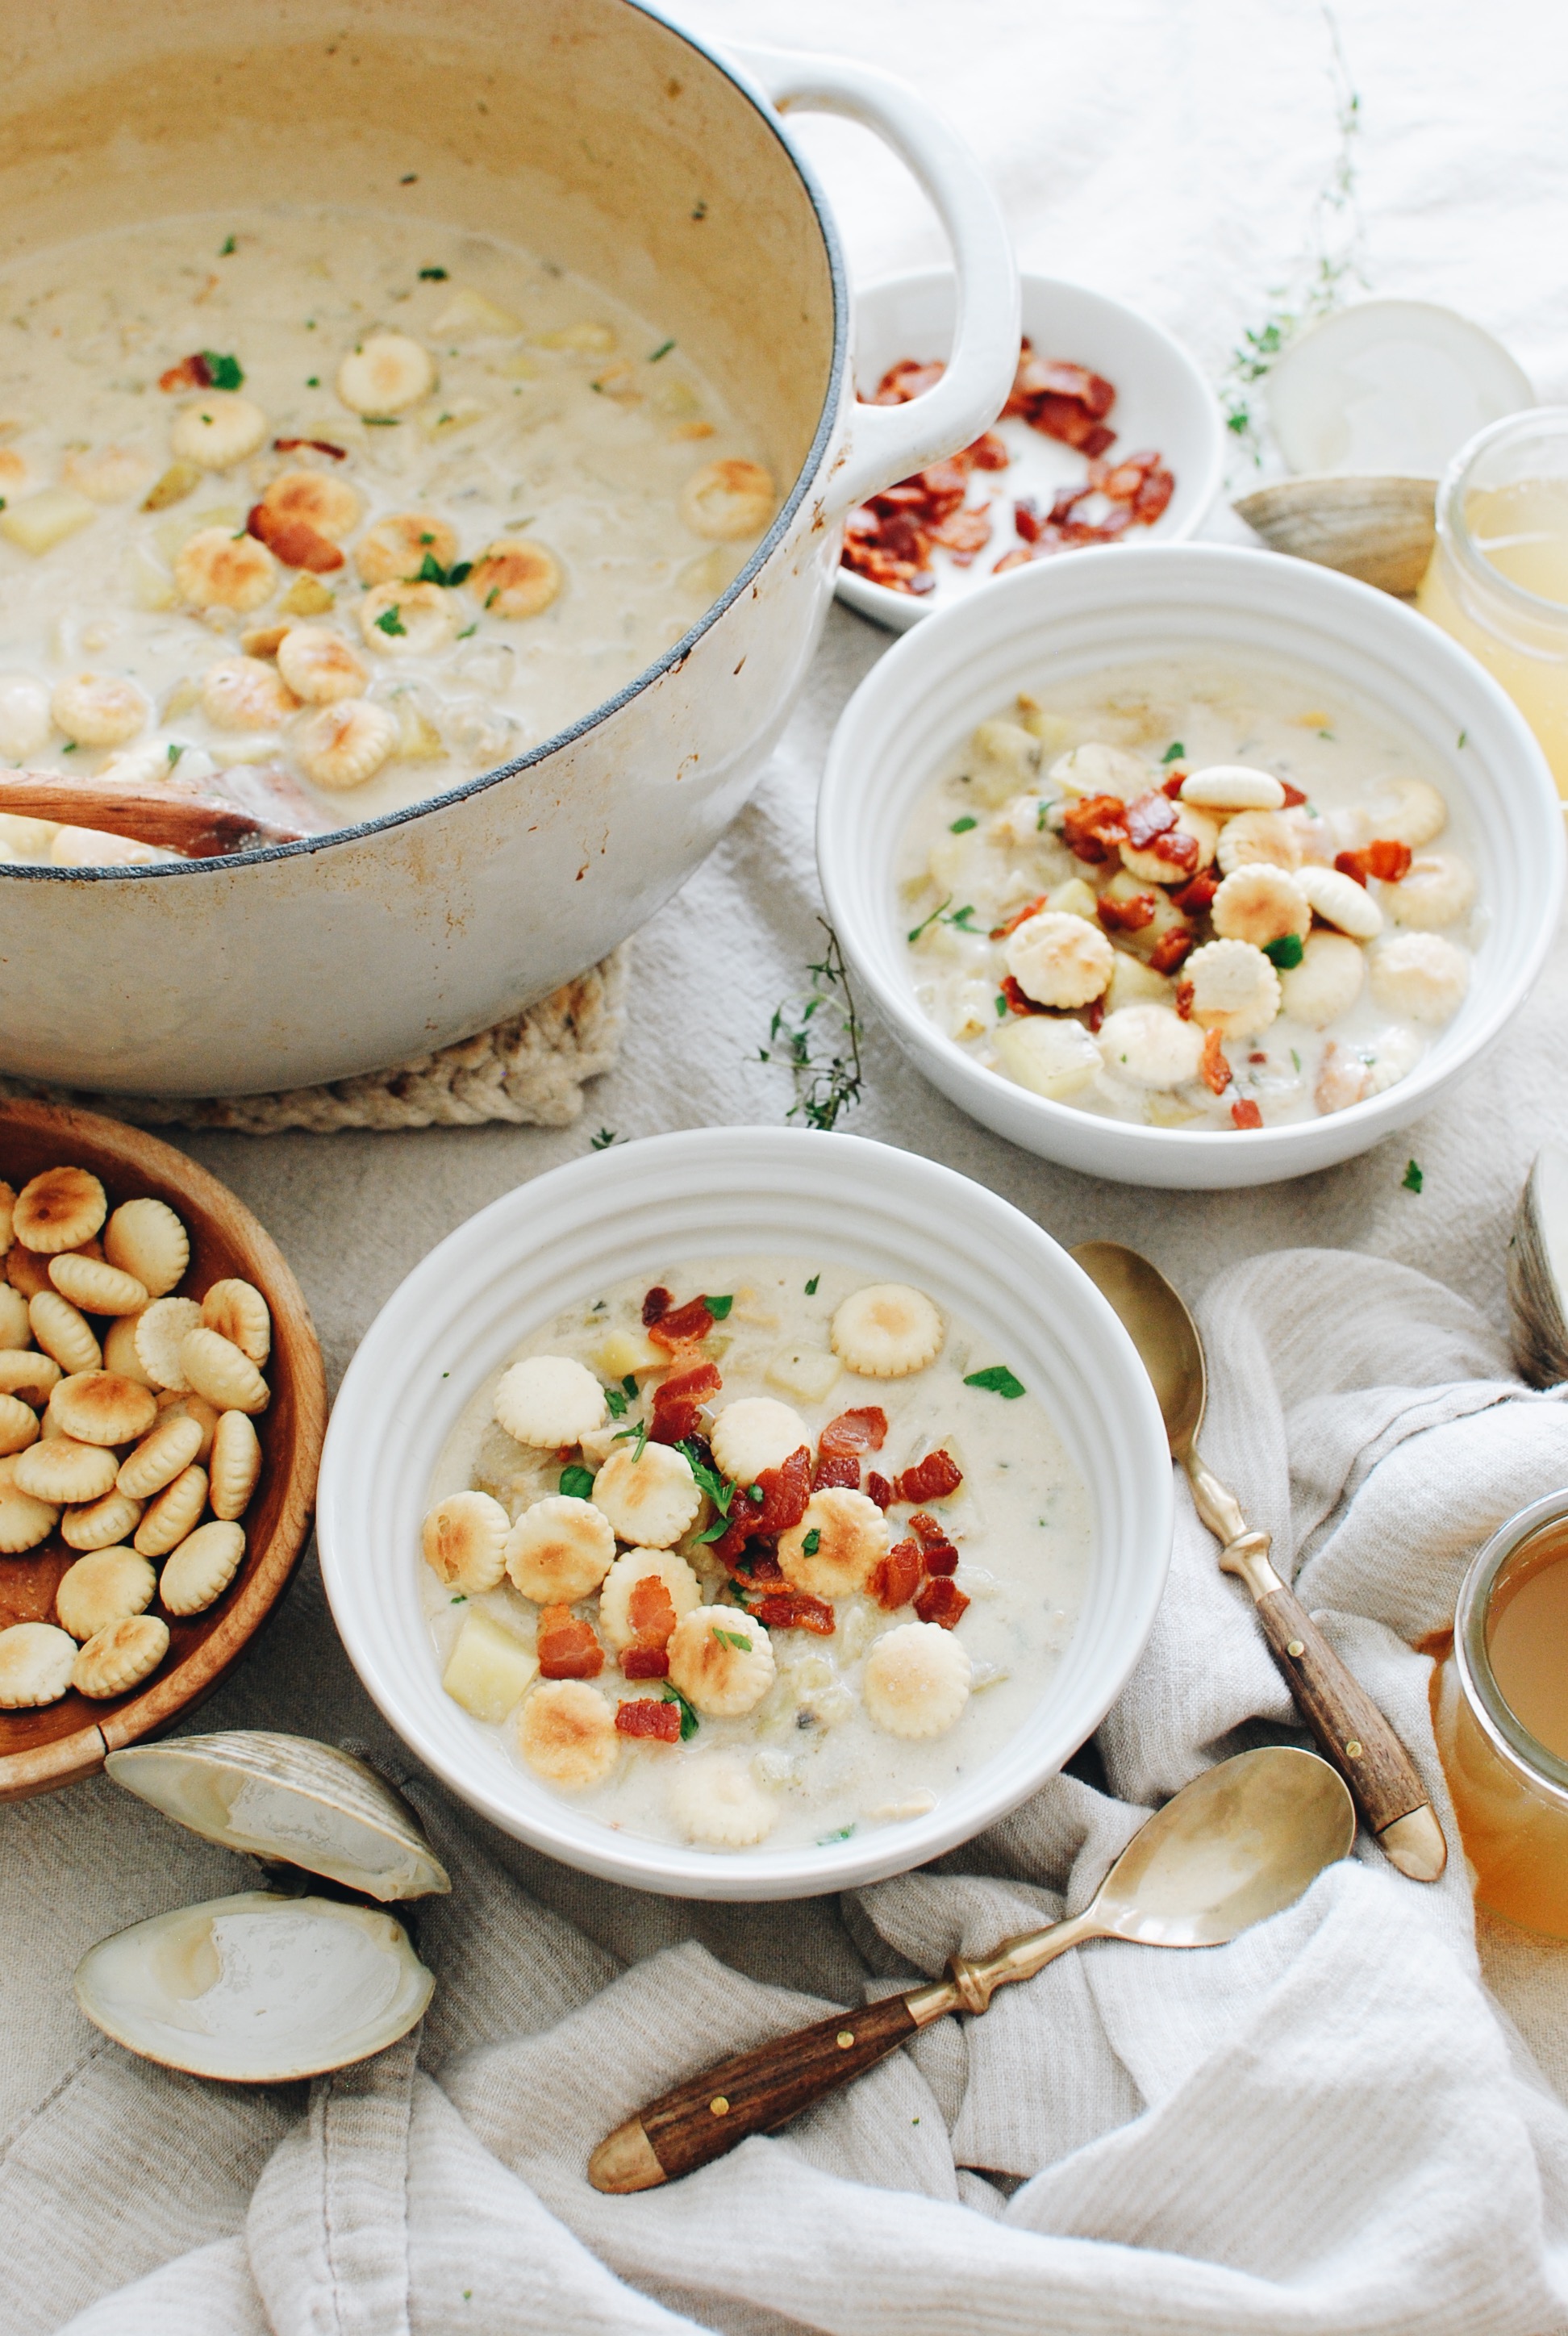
469, 312
488, 1669
1049, 1058
625, 1352
805, 1372
951, 857
179, 480
40, 522
418, 739
1004, 760
1053, 731
1133, 983
1075, 899
580, 337
306, 597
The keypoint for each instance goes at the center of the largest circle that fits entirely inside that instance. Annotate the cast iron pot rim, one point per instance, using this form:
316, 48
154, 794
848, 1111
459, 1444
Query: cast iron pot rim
673, 657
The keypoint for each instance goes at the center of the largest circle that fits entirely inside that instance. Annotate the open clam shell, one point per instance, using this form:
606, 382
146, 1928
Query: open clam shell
257, 1989
1380, 529
289, 1799
1538, 1271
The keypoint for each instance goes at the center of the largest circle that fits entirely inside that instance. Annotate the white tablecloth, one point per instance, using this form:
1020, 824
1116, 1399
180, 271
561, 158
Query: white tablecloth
1169, 155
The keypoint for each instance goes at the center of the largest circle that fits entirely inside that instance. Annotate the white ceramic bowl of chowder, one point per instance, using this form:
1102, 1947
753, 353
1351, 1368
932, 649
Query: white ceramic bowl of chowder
644, 1207
1112, 609
661, 171
1163, 404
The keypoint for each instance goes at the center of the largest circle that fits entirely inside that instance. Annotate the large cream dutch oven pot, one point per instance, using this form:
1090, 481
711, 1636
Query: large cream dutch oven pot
597, 130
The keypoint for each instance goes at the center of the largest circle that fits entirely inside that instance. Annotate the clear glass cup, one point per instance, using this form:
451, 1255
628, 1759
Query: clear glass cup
1510, 1792
1498, 576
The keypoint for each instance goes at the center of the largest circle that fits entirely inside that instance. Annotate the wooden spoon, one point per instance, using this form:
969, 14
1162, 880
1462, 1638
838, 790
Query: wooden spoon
198, 826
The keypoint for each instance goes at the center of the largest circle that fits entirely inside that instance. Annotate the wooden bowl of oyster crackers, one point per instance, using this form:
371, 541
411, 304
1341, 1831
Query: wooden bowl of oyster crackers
42, 1749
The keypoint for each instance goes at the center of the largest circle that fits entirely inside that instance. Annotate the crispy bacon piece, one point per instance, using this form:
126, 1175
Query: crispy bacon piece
567, 1647
1294, 794
879, 1490
682, 1326
941, 1558
638, 1661
650, 1609
678, 1404
1149, 816
757, 1568
926, 1530
1019, 917
1213, 1068
964, 534
191, 373
1129, 915
941, 1602
895, 1578
1194, 896
1064, 418
864, 1430
909, 378
890, 539
650, 1717
1185, 993
796, 1609
656, 1304
785, 1491
988, 452
1388, 860
294, 541
840, 1468
316, 446
1246, 1114
930, 1479
1095, 826
1172, 950
1173, 785
1019, 997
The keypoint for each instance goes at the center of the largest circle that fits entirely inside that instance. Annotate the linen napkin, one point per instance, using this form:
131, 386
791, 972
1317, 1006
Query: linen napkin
1324, 2127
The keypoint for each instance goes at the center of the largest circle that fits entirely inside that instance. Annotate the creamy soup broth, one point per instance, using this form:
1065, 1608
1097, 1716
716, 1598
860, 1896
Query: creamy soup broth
1328, 987
534, 409
806, 1763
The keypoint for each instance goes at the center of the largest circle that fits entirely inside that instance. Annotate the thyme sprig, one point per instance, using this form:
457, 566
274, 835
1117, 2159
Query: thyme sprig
818, 1035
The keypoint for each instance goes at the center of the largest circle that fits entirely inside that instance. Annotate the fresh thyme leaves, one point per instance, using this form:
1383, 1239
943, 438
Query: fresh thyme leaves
603, 1140
962, 826
961, 917
813, 1542
997, 1380
1286, 952
616, 1402
1174, 753
1322, 279
390, 622
1412, 1179
222, 372
827, 1083
577, 1484
663, 350
735, 1639
381, 421
1295, 1058
431, 571
718, 1307
926, 922
689, 1722
812, 1285
640, 1432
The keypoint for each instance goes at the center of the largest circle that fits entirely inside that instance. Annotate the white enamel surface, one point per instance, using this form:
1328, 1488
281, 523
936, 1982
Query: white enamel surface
1390, 386
892, 1215
1162, 401
1107, 607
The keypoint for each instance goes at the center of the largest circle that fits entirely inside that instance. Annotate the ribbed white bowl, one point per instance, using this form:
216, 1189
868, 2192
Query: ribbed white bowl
1090, 610
822, 1198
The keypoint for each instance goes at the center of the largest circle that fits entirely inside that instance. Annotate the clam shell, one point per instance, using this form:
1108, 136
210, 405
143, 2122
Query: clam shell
1381, 529
257, 1989
1538, 1272
289, 1799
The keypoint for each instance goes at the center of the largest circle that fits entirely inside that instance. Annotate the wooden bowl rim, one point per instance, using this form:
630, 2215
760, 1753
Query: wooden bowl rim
66, 1760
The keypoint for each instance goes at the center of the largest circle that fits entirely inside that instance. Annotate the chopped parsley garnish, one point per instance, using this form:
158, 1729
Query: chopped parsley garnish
962, 826
1174, 753
228, 248
380, 421
689, 1722
313, 381
222, 372
1001, 1006
1286, 952
629, 1384
1462, 739
493, 596
719, 1307
390, 622
614, 1402
997, 1379
813, 1542
431, 571
812, 1285
1329, 735
174, 749
433, 275
927, 922
604, 1139
469, 628
700, 211
1412, 1179
719, 1489
459, 1599
577, 1484
1040, 812
755, 1495
1295, 1058
737, 1638
663, 350
843, 1833
640, 1432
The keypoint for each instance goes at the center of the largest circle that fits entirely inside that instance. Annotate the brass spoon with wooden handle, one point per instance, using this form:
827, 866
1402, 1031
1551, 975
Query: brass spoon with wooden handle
1332, 1701
1238, 1843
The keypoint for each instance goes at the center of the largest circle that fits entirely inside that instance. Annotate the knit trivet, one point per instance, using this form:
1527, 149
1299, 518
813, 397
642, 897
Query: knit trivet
529, 1071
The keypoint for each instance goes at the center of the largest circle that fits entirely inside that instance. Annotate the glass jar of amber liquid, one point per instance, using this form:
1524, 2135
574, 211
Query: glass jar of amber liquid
1502, 1717
1498, 576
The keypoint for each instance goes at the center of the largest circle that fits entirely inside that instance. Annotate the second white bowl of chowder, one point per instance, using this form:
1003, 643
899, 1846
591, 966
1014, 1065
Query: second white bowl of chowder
722, 1531
1196, 867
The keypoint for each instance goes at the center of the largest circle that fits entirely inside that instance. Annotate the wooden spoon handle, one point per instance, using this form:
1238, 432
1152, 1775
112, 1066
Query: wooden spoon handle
755, 2092
1341, 1715
195, 825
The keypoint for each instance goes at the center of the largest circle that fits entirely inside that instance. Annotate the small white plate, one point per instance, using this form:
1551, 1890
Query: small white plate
1163, 401
1390, 386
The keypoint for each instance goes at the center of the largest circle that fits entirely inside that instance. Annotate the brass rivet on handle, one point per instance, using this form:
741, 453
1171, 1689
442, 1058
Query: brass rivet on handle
846, 2037
1352, 1750
718, 2105
1296, 1647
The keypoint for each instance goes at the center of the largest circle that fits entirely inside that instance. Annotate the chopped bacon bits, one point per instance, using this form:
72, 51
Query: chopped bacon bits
855, 1431
930, 1479
836, 1468
650, 1610
1246, 1114
785, 1491
657, 1303
1176, 781
879, 1490
895, 1578
315, 445
909, 378
1294, 794
1185, 993
638, 1661
294, 541
941, 1557
926, 1530
1148, 816
1095, 826
1213, 1068
567, 1647
190, 373
1172, 950
1194, 896
678, 1404
1019, 917
650, 1716
1128, 914
1017, 997
1388, 860
941, 1602
796, 1609
681, 1326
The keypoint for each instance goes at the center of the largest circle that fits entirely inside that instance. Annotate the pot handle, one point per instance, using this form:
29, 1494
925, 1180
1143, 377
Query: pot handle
888, 442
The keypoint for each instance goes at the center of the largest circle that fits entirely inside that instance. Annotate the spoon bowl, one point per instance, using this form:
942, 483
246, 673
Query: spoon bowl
1162, 1329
